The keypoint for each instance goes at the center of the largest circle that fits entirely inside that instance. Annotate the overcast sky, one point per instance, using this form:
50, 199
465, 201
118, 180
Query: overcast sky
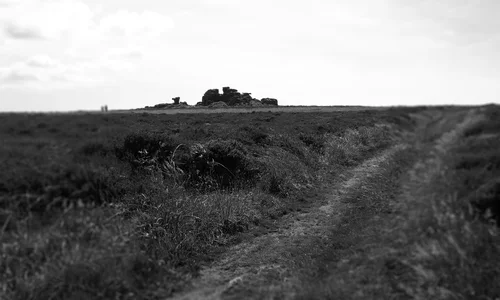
81, 54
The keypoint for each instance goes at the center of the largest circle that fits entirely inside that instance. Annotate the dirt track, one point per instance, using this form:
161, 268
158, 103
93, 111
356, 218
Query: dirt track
264, 268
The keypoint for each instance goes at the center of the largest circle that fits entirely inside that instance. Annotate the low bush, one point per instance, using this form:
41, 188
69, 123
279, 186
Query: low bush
223, 162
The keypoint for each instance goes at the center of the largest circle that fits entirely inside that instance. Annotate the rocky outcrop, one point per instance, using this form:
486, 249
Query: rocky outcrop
232, 97
176, 104
160, 106
229, 97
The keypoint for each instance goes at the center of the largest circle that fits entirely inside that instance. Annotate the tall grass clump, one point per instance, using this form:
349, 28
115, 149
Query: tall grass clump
354, 144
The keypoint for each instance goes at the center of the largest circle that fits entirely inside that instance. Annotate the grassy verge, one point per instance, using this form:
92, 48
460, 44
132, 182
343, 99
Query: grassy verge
129, 206
451, 230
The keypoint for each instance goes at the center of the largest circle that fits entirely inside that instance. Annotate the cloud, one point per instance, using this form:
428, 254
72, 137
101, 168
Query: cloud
8, 3
17, 31
46, 19
122, 30
43, 71
42, 61
90, 45
126, 54
134, 24
74, 21
16, 76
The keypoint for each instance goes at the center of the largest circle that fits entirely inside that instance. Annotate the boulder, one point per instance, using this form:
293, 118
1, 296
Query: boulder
255, 102
230, 96
176, 100
269, 101
245, 99
210, 97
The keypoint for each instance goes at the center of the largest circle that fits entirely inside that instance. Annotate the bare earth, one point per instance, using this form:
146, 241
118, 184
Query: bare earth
264, 268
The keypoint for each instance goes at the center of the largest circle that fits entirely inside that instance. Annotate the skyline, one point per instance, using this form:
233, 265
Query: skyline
59, 55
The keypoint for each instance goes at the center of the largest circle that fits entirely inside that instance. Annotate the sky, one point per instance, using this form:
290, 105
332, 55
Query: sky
63, 55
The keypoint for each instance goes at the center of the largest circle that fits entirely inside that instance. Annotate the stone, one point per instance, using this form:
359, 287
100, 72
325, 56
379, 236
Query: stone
269, 101
210, 97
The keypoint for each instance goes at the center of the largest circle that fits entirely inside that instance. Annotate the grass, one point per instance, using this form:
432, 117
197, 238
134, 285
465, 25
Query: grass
346, 266
129, 206
441, 240
451, 225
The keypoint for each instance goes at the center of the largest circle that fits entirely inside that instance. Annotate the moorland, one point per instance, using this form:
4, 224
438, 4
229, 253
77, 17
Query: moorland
264, 203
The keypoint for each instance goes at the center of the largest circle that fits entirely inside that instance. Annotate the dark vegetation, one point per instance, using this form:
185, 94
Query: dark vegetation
128, 206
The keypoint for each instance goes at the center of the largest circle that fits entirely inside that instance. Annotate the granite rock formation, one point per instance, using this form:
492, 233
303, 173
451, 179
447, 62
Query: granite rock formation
232, 97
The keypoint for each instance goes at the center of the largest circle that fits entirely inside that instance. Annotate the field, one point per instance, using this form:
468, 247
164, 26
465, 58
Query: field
286, 203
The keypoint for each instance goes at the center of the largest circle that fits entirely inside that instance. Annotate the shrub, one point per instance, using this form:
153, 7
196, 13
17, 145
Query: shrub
221, 162
155, 144
314, 141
